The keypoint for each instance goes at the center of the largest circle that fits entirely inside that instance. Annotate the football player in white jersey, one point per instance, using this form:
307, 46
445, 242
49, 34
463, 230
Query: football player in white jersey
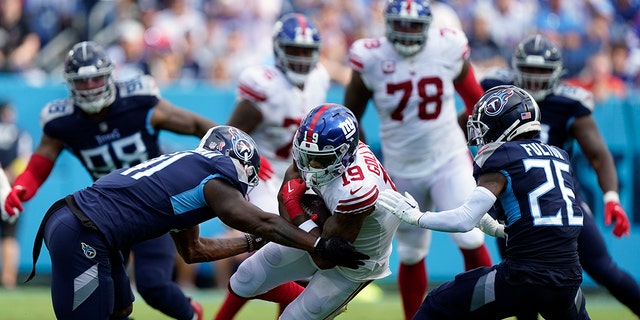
412, 75
271, 102
331, 161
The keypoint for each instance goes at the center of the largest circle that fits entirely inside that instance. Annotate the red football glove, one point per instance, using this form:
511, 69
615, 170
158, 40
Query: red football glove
13, 202
27, 183
266, 170
613, 211
291, 194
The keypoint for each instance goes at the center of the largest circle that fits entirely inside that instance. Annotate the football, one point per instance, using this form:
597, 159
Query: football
315, 208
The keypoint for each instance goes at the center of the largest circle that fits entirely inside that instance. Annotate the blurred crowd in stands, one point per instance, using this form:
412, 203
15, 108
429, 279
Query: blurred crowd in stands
209, 40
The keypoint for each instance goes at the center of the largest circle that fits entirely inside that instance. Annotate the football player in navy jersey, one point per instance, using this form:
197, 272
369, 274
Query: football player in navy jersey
566, 116
530, 186
86, 231
109, 125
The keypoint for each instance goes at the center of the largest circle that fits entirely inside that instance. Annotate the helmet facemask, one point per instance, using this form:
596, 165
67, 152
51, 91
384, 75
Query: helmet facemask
407, 25
92, 100
88, 72
326, 143
319, 167
476, 131
538, 66
538, 81
297, 61
408, 36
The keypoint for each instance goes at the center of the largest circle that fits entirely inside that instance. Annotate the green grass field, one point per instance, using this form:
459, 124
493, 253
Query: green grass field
33, 302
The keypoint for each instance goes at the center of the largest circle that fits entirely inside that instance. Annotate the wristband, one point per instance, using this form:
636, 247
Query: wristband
308, 225
250, 246
611, 196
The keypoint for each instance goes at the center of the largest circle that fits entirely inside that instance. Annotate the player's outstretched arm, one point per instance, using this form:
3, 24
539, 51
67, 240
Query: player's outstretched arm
461, 219
167, 116
193, 248
236, 212
37, 171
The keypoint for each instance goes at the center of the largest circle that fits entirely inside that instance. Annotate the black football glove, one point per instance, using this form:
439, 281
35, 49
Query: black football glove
340, 252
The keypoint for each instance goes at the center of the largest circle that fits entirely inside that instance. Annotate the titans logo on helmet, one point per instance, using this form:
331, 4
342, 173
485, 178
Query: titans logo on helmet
243, 149
497, 101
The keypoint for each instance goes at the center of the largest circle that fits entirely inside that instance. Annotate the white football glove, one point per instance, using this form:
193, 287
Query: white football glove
491, 226
5, 189
404, 207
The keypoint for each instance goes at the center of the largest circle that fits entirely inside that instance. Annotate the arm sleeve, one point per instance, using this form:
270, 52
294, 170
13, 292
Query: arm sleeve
37, 171
463, 218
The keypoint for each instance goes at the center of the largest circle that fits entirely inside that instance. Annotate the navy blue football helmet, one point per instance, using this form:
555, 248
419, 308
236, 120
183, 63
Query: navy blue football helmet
537, 64
296, 45
407, 23
88, 60
325, 143
501, 114
239, 146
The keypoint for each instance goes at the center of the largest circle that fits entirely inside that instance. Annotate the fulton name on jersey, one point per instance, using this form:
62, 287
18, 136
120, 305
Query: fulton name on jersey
539, 149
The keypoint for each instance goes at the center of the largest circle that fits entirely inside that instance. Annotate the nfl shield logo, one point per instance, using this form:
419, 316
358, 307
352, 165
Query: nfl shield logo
388, 66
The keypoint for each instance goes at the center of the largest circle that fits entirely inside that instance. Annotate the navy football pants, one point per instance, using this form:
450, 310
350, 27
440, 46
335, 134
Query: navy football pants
88, 279
153, 265
484, 293
598, 264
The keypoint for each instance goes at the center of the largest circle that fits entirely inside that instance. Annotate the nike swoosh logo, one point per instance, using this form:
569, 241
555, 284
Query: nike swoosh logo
352, 192
289, 187
410, 204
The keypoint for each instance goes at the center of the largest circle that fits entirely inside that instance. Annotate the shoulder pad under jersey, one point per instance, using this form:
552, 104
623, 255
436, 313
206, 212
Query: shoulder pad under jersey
452, 43
55, 109
361, 52
143, 85
581, 95
485, 152
255, 83
502, 75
